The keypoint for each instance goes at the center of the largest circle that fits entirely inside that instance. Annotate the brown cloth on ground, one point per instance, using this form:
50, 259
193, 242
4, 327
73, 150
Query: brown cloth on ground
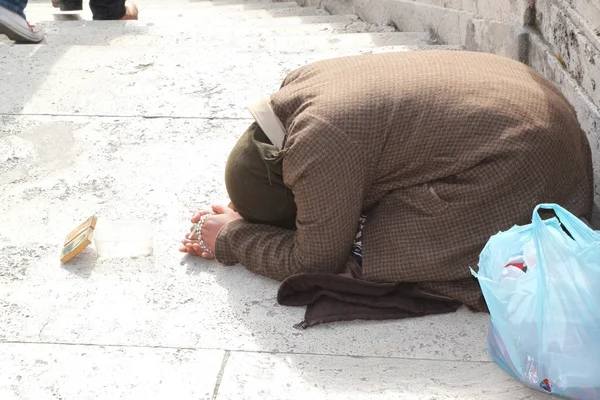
444, 149
346, 297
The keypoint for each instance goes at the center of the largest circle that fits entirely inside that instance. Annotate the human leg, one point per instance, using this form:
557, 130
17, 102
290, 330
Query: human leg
16, 6
68, 5
113, 9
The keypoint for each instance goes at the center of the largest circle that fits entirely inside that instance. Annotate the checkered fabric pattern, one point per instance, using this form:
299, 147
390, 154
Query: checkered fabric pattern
442, 148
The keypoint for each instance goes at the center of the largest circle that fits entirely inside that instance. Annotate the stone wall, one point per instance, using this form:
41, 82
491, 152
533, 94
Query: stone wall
559, 38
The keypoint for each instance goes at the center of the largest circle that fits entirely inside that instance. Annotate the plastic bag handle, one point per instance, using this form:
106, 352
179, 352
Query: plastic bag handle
578, 230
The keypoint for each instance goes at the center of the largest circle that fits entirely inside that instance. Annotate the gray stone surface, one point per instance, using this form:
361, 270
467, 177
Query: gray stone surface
197, 13
578, 53
50, 372
497, 10
488, 26
200, 19
267, 39
590, 9
171, 31
274, 377
406, 16
545, 61
167, 80
104, 32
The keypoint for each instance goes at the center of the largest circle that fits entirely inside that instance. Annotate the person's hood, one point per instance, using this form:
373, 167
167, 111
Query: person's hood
265, 117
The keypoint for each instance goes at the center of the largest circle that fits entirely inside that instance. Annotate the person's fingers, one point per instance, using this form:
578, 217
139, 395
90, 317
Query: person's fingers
202, 253
190, 236
198, 214
197, 248
190, 249
186, 241
221, 209
194, 249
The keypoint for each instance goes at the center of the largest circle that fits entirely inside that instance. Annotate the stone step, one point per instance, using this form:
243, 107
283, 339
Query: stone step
229, 5
192, 14
181, 4
246, 24
269, 40
177, 5
350, 24
192, 3
180, 81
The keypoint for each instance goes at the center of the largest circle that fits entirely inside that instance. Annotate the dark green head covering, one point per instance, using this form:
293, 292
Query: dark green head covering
254, 181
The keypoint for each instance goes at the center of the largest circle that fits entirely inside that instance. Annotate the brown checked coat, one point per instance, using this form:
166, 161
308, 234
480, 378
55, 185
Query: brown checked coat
442, 148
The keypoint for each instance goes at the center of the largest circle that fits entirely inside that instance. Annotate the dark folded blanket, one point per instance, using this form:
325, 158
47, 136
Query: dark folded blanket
331, 298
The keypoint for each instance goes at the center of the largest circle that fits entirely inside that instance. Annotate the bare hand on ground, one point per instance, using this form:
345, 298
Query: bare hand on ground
216, 219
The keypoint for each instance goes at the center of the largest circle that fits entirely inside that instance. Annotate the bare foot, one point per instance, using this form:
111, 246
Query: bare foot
131, 11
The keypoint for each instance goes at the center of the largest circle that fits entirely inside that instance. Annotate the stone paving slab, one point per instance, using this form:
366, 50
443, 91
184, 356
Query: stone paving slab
183, 20
337, 24
64, 169
227, 5
290, 377
235, 5
183, 81
185, 12
224, 5
52, 372
268, 40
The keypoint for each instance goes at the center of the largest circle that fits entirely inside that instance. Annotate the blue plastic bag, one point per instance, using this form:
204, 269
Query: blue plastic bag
542, 288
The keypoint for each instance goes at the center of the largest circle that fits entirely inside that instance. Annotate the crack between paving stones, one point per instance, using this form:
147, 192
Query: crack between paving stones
133, 346
42, 329
220, 375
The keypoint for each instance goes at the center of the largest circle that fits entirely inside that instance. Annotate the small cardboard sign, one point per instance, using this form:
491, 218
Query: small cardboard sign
78, 239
